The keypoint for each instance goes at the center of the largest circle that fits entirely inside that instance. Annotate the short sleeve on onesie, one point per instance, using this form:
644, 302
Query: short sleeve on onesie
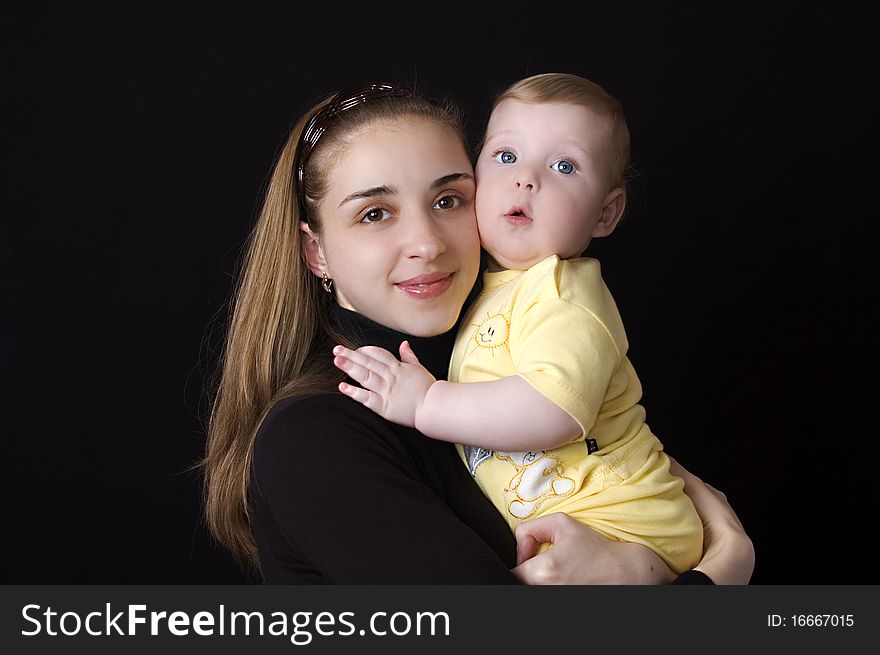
565, 353
565, 337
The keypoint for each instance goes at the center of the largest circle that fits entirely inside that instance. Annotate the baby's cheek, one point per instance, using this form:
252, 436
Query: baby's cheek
488, 237
481, 201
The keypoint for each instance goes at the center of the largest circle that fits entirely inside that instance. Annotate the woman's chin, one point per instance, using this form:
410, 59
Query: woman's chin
427, 324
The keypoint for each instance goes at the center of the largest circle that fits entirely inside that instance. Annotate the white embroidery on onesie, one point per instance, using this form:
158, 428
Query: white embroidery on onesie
539, 476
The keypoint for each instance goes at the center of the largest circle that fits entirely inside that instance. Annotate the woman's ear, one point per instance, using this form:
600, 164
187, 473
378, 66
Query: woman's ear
314, 254
612, 211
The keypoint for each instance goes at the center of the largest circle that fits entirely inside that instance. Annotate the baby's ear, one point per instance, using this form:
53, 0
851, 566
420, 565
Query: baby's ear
612, 211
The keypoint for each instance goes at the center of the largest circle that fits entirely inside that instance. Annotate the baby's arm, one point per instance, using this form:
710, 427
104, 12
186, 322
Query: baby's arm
506, 414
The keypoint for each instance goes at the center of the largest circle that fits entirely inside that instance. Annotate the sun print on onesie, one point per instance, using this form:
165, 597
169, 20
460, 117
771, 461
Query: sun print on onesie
492, 332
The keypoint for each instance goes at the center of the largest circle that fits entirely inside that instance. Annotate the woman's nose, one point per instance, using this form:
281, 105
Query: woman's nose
424, 239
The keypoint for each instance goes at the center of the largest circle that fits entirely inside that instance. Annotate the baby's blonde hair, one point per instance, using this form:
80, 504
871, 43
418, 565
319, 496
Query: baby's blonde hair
572, 89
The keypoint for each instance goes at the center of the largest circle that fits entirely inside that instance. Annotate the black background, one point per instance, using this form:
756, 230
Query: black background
137, 141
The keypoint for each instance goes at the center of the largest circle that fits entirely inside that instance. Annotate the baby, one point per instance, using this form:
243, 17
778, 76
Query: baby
550, 410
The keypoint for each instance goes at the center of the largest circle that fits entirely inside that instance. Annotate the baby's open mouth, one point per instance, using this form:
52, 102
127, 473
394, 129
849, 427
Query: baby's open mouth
518, 216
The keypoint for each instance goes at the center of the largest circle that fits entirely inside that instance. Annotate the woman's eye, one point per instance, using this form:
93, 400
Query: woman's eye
375, 215
563, 166
505, 157
448, 202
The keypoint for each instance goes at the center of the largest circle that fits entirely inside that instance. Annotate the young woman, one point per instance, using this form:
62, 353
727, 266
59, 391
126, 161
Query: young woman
368, 237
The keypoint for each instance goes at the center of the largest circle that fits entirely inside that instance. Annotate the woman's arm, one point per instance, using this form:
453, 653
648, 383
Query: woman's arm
348, 498
728, 555
582, 556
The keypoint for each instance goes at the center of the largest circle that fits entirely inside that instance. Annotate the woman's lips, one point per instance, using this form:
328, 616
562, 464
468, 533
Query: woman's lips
426, 287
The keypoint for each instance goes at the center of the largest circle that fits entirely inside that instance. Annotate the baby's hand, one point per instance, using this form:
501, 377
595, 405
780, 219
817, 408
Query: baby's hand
393, 389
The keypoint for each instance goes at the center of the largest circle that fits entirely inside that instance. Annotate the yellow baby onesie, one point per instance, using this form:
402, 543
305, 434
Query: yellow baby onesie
557, 327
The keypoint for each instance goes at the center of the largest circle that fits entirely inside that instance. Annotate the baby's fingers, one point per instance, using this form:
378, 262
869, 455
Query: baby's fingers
364, 397
407, 355
361, 369
371, 357
379, 355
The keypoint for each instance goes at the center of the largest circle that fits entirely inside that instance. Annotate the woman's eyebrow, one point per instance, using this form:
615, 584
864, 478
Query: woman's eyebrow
369, 193
386, 190
452, 177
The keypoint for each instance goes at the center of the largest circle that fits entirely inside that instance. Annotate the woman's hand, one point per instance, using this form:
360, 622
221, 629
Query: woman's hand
580, 555
728, 553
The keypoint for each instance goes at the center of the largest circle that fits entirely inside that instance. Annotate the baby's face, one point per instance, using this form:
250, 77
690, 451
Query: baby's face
542, 181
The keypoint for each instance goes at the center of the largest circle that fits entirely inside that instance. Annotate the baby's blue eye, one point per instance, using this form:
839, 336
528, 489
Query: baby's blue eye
505, 157
563, 166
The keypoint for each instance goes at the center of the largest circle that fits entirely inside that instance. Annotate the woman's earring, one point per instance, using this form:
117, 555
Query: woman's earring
326, 282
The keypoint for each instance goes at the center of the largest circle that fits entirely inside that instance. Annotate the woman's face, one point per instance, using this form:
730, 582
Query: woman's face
399, 235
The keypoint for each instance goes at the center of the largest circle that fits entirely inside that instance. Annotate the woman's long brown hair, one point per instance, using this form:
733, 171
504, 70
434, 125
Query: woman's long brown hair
280, 334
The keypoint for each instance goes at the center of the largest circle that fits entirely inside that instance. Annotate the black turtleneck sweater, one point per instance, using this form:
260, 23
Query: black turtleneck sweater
339, 495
